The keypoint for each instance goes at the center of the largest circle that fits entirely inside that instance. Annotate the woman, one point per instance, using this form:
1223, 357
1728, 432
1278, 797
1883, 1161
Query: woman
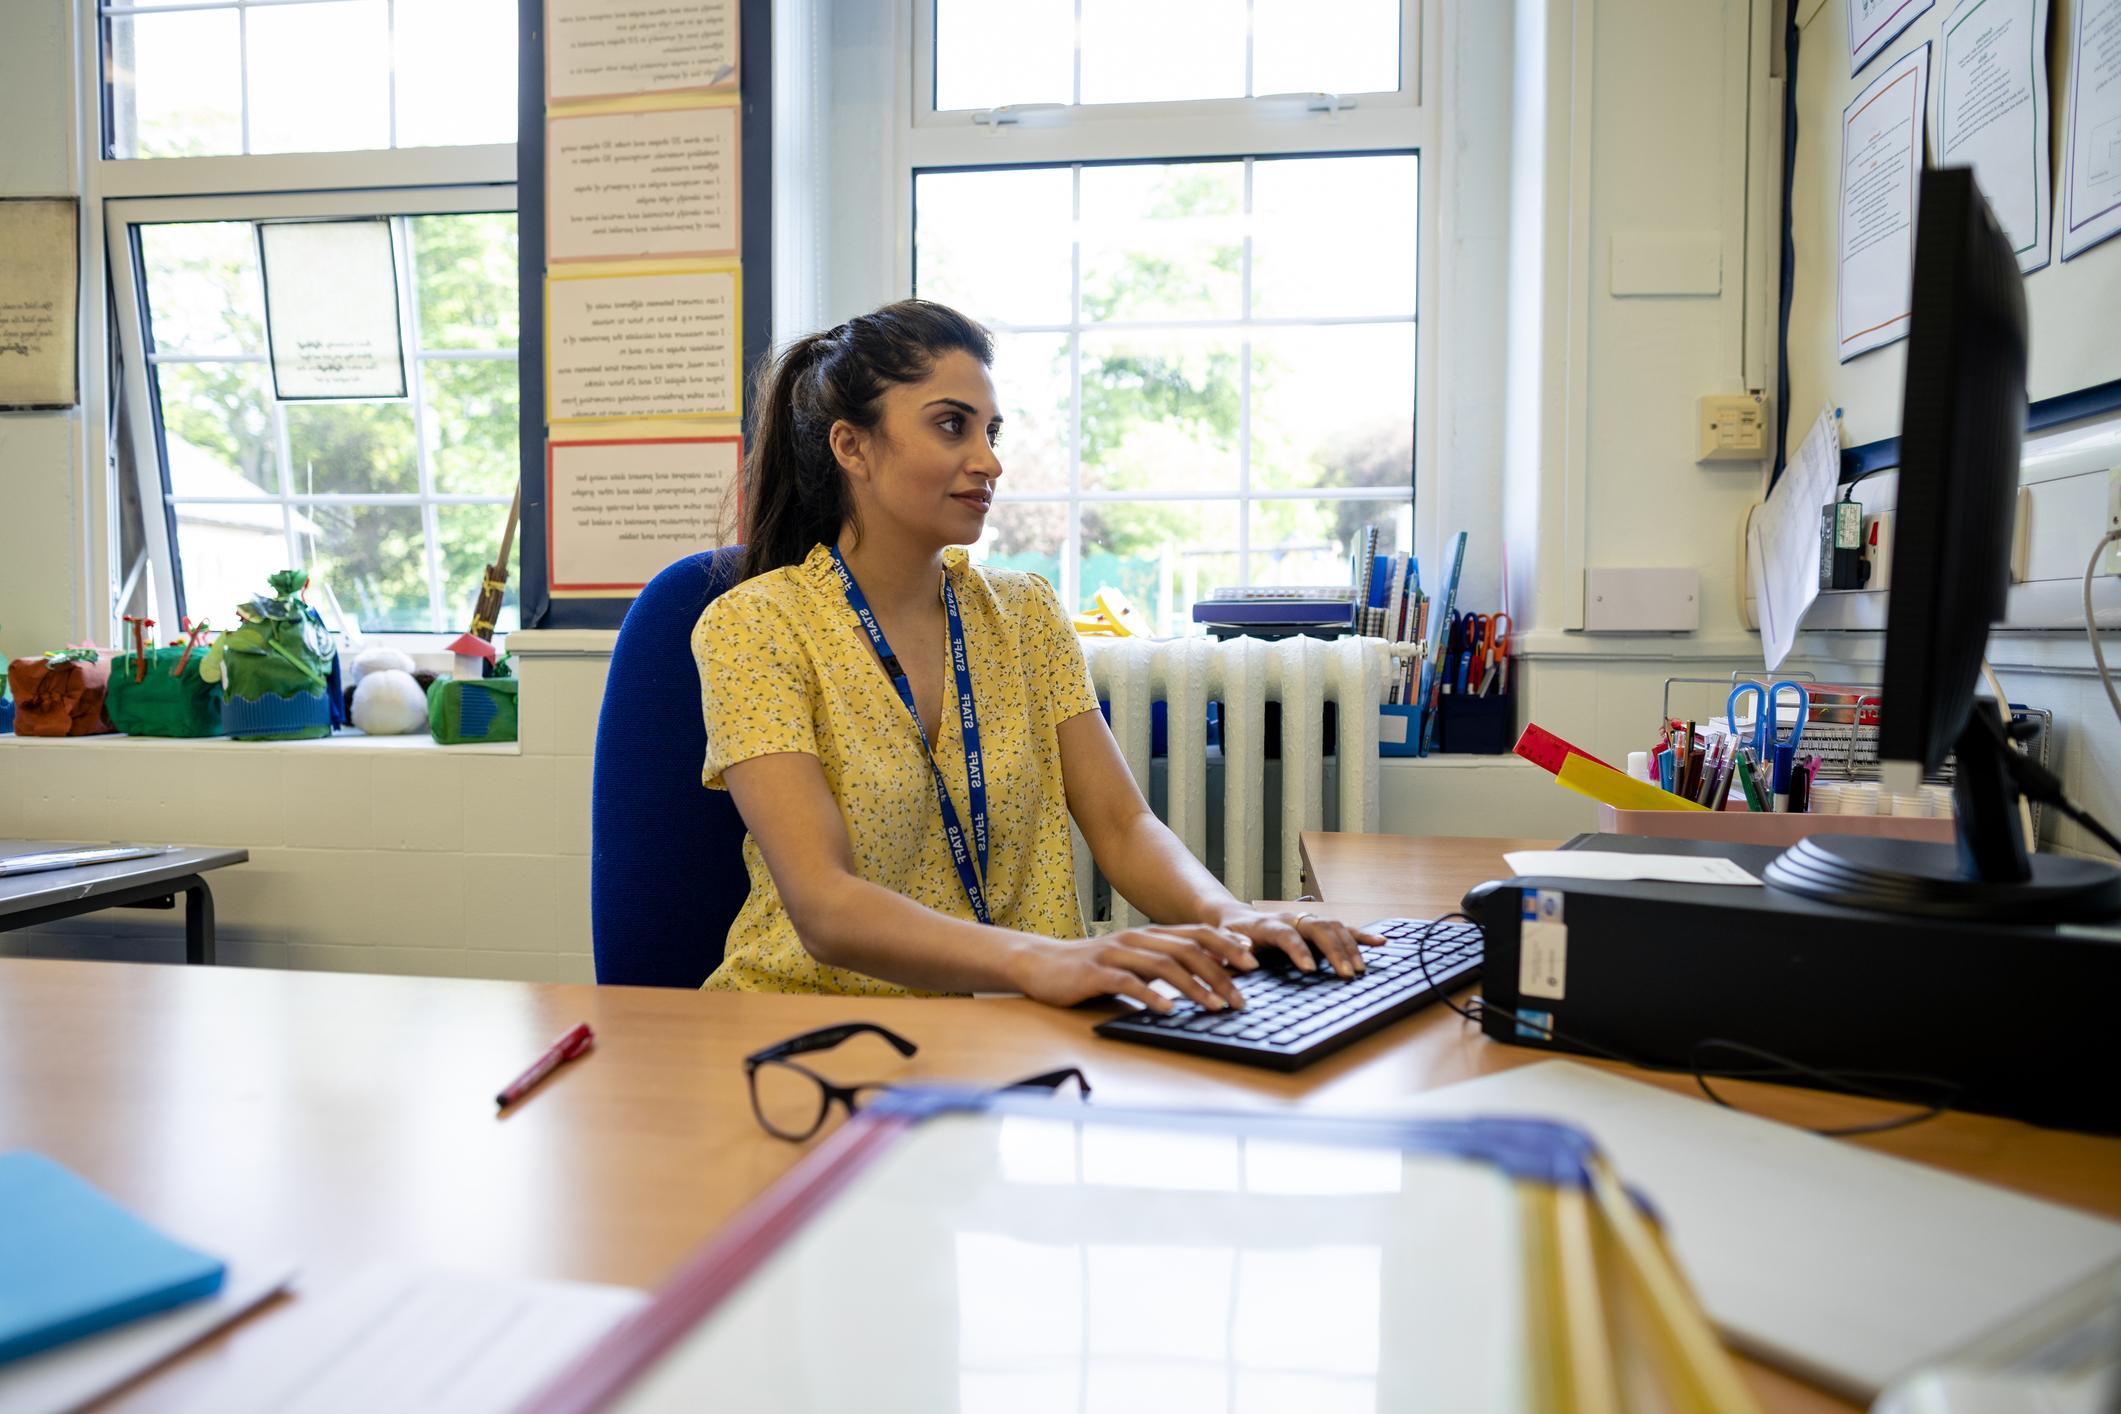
906, 735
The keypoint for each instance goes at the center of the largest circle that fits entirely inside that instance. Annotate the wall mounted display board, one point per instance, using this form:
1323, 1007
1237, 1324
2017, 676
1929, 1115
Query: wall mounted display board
644, 154
2014, 105
40, 289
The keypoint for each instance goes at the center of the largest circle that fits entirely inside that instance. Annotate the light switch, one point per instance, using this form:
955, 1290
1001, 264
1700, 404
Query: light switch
1733, 427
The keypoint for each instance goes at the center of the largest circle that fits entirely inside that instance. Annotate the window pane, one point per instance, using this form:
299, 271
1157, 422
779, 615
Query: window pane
1135, 52
1160, 411
319, 76
1163, 554
1325, 46
225, 553
351, 447
472, 427
456, 71
1031, 377
465, 273
1361, 262
471, 537
987, 55
1026, 535
217, 427
374, 558
1333, 406
203, 295
997, 245
1163, 242
1309, 542
175, 83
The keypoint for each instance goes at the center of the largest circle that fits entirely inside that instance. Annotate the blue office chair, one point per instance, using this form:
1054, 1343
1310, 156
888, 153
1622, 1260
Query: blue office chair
666, 864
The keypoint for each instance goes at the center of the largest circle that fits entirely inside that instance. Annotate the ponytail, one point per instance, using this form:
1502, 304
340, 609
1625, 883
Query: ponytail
795, 494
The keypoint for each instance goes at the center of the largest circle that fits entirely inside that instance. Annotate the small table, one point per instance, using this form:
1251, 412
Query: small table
1431, 871
151, 881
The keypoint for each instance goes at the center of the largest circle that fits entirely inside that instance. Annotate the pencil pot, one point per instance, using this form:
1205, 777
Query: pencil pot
60, 694
1398, 729
160, 693
466, 710
1471, 724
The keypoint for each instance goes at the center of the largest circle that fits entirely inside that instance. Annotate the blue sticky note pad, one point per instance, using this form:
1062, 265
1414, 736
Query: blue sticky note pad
72, 1262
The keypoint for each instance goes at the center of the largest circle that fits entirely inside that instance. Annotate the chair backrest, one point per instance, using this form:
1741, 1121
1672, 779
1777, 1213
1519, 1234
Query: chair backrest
666, 863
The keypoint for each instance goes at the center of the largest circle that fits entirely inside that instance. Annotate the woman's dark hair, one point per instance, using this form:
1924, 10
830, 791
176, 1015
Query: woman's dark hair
795, 495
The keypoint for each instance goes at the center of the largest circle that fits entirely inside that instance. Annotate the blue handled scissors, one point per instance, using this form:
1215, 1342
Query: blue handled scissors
1766, 733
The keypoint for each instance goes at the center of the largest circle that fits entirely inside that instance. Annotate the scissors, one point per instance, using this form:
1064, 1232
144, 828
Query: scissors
1499, 629
1766, 735
1473, 631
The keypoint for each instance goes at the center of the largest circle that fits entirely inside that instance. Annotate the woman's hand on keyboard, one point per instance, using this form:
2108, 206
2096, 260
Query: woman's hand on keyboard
1300, 935
1194, 959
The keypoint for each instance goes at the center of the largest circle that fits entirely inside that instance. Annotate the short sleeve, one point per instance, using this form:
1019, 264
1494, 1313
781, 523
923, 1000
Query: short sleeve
758, 687
1059, 676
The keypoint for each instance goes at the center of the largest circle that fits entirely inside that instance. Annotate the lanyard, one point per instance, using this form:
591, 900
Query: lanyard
968, 725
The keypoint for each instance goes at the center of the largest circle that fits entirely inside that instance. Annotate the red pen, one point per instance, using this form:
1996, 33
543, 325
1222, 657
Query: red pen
574, 1043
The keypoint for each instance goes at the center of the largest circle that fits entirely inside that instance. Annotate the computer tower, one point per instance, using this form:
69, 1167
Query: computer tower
2009, 1019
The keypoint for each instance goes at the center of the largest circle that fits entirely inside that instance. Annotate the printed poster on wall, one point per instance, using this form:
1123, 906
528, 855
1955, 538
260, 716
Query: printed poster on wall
331, 309
1881, 160
633, 186
617, 48
665, 345
618, 512
1873, 24
1992, 113
2091, 183
40, 286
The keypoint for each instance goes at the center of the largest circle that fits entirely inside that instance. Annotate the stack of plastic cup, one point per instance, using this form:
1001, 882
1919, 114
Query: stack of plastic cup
1860, 798
1940, 799
1914, 803
1826, 798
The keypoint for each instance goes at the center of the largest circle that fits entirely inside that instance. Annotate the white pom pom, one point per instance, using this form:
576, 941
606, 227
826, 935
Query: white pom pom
388, 702
378, 660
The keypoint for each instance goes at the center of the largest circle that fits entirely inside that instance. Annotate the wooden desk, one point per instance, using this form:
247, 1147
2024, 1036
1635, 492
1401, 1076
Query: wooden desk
151, 881
345, 1119
1428, 874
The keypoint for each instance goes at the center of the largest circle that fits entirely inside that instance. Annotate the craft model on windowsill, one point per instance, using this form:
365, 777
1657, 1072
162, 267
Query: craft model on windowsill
277, 668
60, 694
162, 691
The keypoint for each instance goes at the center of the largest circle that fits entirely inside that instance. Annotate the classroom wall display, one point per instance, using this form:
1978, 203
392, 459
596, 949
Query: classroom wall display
619, 511
614, 48
632, 186
1873, 24
645, 208
40, 290
331, 309
659, 345
1987, 70
2091, 183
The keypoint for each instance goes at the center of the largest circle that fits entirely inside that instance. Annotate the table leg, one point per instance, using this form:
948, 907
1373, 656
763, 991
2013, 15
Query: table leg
199, 923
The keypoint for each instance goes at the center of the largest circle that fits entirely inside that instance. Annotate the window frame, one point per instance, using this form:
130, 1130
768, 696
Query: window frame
1406, 120
120, 192
123, 222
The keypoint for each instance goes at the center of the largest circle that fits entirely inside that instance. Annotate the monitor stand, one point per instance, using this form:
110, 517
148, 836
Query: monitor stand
1987, 877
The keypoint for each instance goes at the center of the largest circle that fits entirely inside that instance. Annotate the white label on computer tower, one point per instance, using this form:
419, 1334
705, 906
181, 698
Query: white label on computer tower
1542, 946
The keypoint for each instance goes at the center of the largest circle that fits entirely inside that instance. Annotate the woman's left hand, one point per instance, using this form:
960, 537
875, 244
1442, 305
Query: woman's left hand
1300, 935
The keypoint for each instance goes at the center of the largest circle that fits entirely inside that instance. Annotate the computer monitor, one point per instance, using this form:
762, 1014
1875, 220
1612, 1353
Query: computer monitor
1962, 428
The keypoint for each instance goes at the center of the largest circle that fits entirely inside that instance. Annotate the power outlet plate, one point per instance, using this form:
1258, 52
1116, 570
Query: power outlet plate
2111, 564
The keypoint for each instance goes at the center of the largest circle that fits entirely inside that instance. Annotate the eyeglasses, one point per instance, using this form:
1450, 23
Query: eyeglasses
792, 1101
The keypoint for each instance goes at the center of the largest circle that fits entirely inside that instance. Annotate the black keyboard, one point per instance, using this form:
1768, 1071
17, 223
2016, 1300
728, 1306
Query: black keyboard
1291, 1018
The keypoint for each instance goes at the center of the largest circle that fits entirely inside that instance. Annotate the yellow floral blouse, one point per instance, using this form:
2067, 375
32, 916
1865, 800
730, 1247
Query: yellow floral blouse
785, 666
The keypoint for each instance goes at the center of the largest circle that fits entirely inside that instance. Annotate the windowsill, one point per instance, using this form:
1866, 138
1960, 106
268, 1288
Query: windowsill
562, 642
348, 740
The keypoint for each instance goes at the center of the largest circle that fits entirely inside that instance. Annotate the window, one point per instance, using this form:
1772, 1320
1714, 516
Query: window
395, 505
1208, 362
220, 115
225, 77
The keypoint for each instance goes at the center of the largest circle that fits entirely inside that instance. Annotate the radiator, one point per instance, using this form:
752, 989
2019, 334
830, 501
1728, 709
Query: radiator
1244, 674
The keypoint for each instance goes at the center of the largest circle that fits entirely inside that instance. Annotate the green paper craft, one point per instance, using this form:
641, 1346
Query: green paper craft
164, 702
466, 710
272, 664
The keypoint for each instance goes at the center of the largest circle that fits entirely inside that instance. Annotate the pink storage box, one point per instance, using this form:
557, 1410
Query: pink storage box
1742, 826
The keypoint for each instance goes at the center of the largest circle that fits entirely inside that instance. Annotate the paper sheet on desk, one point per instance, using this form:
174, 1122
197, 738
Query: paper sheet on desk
1601, 864
1782, 538
413, 1340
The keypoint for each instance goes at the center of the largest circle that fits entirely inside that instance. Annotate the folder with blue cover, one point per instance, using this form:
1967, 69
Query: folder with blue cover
72, 1262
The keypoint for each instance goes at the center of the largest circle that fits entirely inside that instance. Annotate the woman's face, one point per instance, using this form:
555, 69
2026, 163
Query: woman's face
929, 466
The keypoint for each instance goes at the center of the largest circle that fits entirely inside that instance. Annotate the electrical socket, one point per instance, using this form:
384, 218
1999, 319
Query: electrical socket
2111, 564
